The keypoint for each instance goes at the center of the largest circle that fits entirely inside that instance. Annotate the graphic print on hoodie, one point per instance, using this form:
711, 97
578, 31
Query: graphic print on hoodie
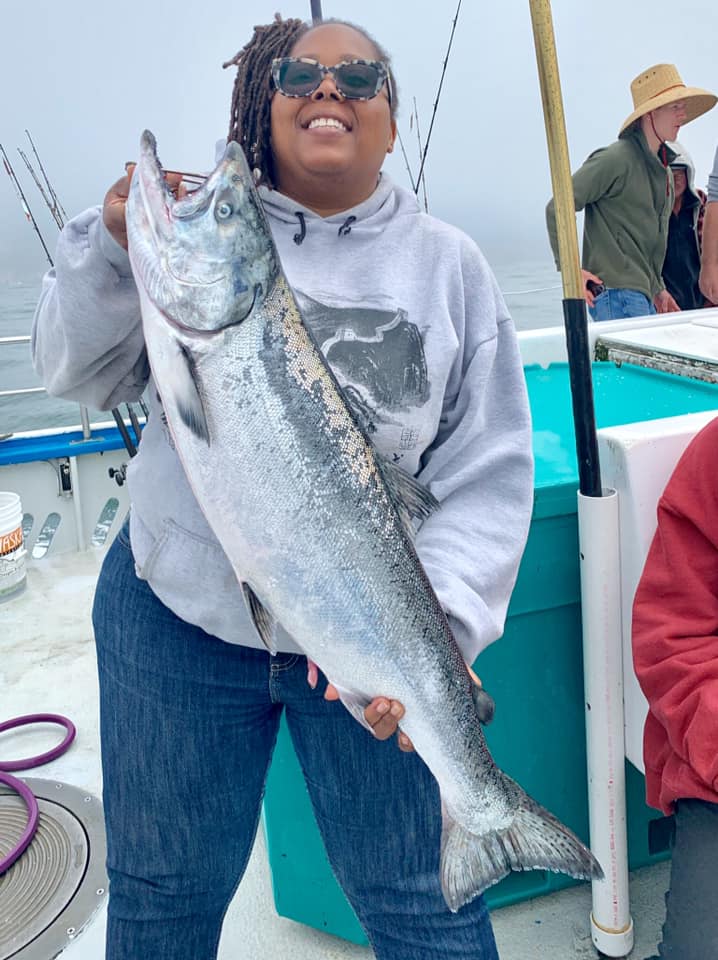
378, 358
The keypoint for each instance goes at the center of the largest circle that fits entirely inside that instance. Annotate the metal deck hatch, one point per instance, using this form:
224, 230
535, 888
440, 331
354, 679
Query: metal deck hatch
51, 893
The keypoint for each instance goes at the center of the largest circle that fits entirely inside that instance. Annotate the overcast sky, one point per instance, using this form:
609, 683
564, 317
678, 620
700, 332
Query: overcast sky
87, 76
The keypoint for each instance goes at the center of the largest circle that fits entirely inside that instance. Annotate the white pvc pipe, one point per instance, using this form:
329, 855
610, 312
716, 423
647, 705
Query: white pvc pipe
611, 923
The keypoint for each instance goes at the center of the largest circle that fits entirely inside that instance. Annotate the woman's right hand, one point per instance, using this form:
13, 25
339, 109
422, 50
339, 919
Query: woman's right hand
113, 208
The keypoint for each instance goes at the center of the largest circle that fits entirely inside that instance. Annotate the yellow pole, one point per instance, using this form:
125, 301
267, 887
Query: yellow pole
557, 147
574, 304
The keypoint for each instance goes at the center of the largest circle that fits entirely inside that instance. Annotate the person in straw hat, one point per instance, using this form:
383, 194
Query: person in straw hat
626, 190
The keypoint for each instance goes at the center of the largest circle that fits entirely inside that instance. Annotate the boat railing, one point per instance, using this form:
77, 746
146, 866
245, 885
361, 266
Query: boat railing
26, 391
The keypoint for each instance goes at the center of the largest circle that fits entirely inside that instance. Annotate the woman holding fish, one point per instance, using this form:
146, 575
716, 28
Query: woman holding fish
410, 320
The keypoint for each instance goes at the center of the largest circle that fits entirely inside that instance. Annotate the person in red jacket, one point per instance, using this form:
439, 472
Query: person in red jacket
675, 655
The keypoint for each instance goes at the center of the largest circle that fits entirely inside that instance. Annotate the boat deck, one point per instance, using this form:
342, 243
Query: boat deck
48, 666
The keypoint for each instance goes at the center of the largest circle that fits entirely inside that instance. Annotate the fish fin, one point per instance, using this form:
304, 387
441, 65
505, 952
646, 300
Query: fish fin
356, 704
484, 703
186, 395
535, 840
262, 619
413, 500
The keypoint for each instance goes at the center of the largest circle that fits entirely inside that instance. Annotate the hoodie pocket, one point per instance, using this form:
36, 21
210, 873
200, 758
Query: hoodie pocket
193, 577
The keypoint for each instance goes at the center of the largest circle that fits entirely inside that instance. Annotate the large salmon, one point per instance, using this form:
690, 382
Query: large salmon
317, 526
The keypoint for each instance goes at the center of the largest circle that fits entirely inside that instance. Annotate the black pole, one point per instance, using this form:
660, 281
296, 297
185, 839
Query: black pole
134, 421
316, 11
584, 416
124, 432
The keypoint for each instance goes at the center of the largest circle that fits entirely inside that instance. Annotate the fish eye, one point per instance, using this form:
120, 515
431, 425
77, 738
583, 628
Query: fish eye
224, 210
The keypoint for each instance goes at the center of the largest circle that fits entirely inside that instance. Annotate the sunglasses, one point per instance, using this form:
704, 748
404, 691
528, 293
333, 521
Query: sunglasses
354, 79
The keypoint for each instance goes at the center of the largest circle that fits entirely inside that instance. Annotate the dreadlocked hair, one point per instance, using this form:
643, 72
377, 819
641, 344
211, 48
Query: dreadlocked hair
249, 122
250, 117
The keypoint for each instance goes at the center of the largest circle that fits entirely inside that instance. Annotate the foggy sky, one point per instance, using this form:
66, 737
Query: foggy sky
86, 77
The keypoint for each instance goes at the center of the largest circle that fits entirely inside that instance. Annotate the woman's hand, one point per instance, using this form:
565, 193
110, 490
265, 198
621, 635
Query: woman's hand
382, 715
113, 208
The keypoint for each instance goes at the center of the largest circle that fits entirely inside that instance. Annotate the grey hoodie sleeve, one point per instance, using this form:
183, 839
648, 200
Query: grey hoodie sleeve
713, 181
87, 342
480, 468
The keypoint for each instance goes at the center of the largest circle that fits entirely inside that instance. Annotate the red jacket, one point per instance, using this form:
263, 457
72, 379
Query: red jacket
675, 632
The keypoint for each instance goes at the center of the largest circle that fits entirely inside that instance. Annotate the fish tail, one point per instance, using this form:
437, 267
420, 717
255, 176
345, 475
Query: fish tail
535, 840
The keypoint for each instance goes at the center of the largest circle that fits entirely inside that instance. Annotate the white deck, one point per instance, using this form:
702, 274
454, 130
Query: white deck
47, 665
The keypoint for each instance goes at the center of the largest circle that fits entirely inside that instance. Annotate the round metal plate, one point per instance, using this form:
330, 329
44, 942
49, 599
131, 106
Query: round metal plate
50, 894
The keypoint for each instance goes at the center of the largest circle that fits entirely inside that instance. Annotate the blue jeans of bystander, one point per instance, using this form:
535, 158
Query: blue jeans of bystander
618, 304
188, 724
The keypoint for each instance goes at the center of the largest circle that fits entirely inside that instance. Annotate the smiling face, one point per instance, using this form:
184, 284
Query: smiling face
328, 150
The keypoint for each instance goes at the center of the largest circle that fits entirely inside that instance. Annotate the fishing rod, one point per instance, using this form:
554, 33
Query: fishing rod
52, 208
406, 161
55, 209
316, 11
56, 201
422, 177
23, 202
436, 102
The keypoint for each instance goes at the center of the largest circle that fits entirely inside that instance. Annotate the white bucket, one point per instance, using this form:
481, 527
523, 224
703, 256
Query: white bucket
13, 576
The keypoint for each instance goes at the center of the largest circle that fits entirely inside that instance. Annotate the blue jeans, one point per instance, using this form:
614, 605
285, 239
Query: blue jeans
188, 724
618, 304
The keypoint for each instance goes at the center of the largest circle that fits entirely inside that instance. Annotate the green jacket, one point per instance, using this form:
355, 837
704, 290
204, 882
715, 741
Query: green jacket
628, 197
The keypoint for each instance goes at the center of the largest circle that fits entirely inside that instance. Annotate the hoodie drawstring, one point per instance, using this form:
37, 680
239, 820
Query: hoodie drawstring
346, 227
662, 154
344, 230
299, 237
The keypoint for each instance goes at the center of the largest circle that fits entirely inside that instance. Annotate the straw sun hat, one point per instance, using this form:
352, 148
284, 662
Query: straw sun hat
661, 85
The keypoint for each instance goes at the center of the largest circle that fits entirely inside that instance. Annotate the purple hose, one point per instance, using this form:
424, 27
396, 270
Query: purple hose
33, 815
22, 789
42, 757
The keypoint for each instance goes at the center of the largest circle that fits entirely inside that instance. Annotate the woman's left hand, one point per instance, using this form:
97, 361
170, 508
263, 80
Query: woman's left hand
382, 715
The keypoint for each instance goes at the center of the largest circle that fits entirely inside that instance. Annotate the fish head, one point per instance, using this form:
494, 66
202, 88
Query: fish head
206, 260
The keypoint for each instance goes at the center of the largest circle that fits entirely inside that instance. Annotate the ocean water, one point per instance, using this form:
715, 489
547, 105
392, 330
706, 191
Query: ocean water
532, 291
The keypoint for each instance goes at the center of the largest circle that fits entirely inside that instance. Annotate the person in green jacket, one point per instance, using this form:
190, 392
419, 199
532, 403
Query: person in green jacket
626, 190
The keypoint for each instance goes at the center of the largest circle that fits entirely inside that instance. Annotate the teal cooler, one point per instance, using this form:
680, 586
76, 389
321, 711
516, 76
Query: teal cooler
534, 671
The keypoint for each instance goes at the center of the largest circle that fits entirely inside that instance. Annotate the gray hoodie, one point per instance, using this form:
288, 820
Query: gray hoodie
684, 159
713, 181
409, 316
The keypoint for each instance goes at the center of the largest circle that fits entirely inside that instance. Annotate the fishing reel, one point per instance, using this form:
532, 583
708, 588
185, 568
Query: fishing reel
118, 474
